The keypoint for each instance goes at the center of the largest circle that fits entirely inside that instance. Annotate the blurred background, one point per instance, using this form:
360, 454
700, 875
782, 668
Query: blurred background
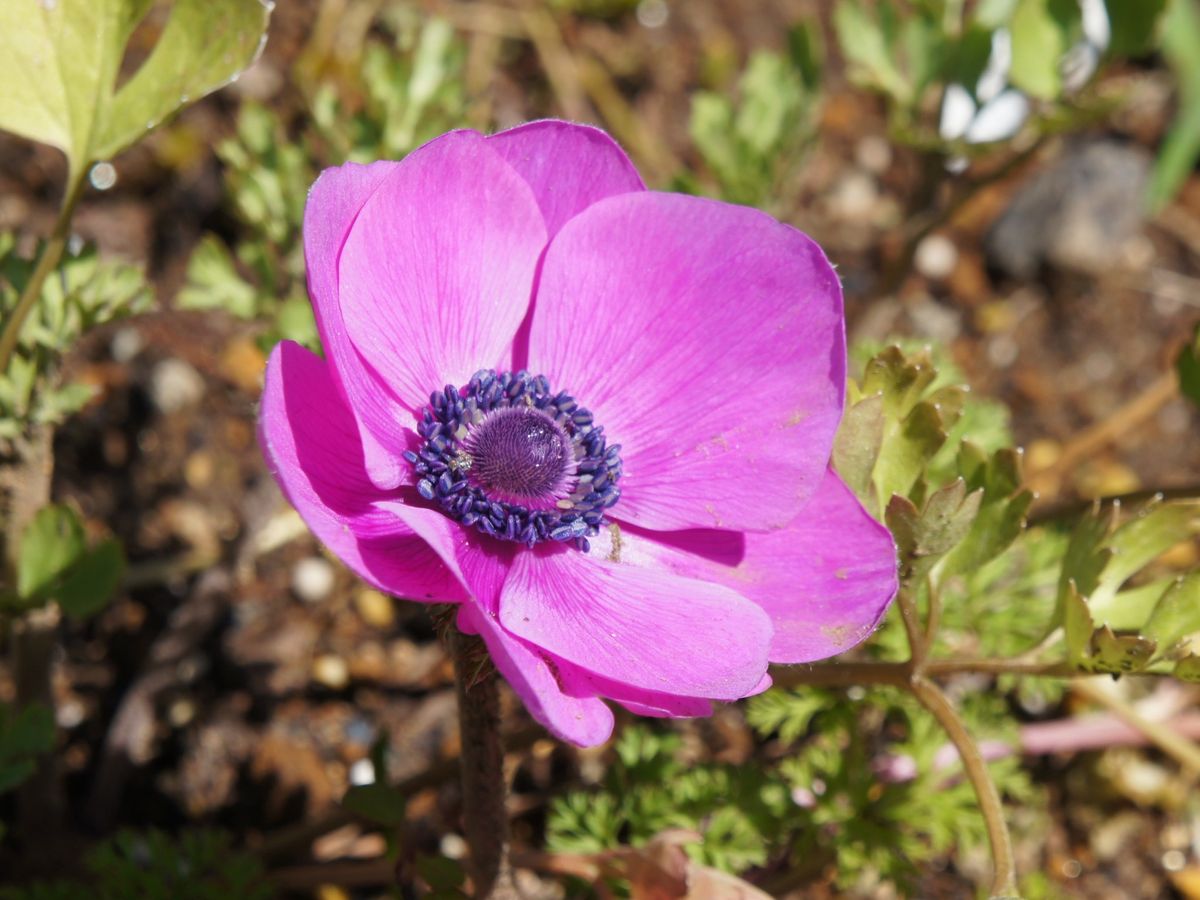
1010, 183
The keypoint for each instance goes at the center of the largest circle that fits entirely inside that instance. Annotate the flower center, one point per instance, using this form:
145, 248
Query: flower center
514, 460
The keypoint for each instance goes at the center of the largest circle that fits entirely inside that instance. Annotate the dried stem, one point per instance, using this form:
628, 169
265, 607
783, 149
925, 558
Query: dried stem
1004, 875
485, 818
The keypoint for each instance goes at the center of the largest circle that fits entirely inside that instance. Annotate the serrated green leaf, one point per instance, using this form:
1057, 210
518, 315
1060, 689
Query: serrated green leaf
213, 282
1177, 613
907, 448
1087, 554
901, 380
1188, 669
1140, 541
1119, 654
91, 581
1077, 626
923, 537
379, 803
51, 543
59, 63
1131, 608
856, 448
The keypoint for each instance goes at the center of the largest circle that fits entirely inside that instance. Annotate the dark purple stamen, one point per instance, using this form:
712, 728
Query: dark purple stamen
506, 456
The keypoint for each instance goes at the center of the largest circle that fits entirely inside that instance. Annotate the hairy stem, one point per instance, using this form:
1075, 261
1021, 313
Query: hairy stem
49, 259
485, 818
1004, 875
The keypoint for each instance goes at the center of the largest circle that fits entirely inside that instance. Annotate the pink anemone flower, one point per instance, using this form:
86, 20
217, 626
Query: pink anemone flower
598, 418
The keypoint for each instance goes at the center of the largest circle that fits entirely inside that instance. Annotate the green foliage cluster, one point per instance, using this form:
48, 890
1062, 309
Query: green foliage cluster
822, 807
751, 145
25, 735
197, 865
54, 562
405, 89
86, 292
1086, 596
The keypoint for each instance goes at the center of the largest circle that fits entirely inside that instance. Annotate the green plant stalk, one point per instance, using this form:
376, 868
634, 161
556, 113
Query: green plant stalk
1004, 872
485, 816
50, 257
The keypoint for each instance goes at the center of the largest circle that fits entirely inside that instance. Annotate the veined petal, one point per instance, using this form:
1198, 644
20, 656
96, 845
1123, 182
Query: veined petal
585, 721
825, 580
333, 204
641, 627
312, 447
437, 272
708, 340
569, 166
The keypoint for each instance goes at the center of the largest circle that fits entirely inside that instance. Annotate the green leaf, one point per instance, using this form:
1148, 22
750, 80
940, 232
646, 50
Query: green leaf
1140, 541
1001, 516
213, 282
1077, 626
1133, 24
50, 545
24, 736
205, 44
1119, 654
91, 582
379, 803
1181, 147
1188, 669
1040, 36
856, 447
1188, 368
866, 47
1086, 556
1177, 613
921, 538
59, 63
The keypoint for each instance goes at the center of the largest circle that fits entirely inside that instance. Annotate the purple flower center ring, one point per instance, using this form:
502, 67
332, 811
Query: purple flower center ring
515, 460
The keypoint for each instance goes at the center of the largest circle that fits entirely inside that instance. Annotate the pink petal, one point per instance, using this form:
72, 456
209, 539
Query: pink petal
569, 166
585, 721
333, 205
708, 341
436, 274
640, 627
826, 580
312, 447
581, 683
479, 563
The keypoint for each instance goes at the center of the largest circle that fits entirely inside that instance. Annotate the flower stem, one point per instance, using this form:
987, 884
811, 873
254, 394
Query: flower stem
485, 818
1004, 876
49, 259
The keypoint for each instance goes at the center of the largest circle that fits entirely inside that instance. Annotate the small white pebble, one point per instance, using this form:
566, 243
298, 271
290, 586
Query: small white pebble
312, 579
362, 772
874, 153
331, 671
453, 846
936, 257
126, 344
175, 385
653, 13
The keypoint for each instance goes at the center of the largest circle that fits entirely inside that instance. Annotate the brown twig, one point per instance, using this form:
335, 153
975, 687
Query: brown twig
1111, 429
